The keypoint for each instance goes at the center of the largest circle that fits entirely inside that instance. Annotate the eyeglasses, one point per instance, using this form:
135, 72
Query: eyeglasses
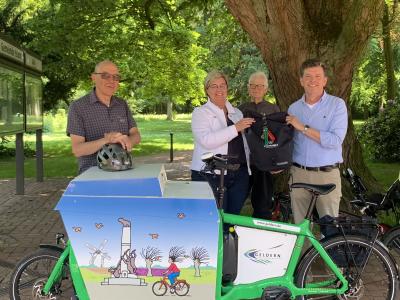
107, 76
216, 86
256, 86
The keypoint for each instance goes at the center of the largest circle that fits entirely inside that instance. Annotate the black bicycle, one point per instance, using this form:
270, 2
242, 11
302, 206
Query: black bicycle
364, 203
371, 204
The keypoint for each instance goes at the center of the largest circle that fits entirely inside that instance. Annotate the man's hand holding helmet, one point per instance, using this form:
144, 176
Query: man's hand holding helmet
116, 137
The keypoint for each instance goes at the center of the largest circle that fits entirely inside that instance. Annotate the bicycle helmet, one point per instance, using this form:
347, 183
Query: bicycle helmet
112, 157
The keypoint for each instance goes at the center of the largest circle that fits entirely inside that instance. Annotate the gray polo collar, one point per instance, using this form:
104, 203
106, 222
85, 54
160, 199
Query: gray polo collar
93, 98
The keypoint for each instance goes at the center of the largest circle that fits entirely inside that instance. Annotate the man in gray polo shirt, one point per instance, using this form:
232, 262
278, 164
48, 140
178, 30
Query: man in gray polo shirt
100, 118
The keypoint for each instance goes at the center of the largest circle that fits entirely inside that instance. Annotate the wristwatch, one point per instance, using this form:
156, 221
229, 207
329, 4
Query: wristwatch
305, 129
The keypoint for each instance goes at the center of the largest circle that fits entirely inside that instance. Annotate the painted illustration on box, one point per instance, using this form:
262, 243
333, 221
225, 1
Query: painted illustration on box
140, 253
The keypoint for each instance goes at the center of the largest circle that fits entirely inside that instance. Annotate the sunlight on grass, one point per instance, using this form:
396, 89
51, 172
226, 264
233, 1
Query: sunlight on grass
385, 173
358, 124
155, 131
58, 158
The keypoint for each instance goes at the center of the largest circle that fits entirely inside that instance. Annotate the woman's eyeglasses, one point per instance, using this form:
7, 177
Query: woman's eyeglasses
216, 86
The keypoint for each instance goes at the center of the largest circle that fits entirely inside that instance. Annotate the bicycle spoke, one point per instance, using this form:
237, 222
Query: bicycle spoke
32, 273
371, 279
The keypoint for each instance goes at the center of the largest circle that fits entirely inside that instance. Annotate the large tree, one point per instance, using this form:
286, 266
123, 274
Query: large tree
389, 16
151, 43
288, 32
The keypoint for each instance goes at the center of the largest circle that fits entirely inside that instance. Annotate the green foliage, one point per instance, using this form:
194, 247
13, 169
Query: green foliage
368, 89
58, 158
6, 151
229, 49
163, 48
380, 135
55, 122
369, 80
154, 48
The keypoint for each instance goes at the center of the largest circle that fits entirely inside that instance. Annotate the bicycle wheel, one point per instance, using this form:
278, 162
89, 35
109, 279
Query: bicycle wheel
31, 273
181, 288
372, 277
392, 241
159, 288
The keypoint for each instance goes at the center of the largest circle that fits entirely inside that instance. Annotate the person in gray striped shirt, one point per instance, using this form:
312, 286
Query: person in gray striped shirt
100, 118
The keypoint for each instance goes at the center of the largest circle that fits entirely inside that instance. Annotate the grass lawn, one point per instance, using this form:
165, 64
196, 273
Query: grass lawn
385, 173
59, 161
155, 131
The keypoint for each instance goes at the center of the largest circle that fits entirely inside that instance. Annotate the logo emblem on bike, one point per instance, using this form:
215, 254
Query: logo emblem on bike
262, 256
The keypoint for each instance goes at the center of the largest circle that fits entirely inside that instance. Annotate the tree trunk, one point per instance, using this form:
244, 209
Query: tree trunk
196, 264
170, 115
388, 54
288, 32
149, 262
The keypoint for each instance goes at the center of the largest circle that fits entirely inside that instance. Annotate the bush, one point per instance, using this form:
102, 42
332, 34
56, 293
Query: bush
6, 152
55, 122
380, 135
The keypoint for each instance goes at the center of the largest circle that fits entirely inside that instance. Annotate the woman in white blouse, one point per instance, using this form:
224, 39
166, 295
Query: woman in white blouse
218, 127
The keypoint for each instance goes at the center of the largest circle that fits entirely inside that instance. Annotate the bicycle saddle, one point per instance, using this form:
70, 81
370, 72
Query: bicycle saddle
320, 189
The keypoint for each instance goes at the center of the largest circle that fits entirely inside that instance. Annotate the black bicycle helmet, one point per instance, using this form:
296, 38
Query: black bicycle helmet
112, 157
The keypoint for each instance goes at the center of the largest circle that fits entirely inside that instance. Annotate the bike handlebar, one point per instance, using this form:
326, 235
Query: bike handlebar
361, 200
355, 181
218, 162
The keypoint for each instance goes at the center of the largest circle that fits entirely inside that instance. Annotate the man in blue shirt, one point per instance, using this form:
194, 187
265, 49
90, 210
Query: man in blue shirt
320, 121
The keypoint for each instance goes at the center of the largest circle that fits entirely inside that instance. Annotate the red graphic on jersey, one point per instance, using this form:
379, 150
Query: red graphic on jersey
271, 136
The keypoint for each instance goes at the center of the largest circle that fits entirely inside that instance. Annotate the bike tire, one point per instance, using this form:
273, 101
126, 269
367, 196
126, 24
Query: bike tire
378, 279
392, 240
159, 288
182, 288
31, 273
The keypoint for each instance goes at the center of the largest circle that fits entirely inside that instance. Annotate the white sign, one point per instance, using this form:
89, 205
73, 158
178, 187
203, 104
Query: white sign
262, 254
11, 51
269, 224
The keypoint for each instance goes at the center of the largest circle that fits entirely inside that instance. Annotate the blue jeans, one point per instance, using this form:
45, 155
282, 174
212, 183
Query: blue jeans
172, 277
236, 187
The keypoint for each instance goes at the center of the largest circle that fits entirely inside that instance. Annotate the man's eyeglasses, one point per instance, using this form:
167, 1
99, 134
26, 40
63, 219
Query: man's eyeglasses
256, 86
216, 86
107, 76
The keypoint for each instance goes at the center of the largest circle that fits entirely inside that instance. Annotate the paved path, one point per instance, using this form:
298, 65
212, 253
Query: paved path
27, 221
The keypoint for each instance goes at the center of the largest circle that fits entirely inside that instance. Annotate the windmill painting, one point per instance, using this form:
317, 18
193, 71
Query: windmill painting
98, 252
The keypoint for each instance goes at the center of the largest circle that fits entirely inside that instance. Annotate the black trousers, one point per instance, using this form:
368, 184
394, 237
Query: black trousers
261, 184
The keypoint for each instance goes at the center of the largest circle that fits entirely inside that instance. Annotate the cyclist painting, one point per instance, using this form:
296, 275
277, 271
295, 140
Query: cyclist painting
176, 254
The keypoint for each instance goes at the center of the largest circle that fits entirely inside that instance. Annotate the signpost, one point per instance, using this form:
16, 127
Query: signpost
21, 103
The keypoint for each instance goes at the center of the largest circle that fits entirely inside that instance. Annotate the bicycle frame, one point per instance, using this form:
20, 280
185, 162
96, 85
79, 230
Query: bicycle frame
254, 290
76, 276
244, 290
302, 231
165, 281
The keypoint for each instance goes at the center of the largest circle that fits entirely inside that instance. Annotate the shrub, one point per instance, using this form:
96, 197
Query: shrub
6, 152
380, 135
55, 122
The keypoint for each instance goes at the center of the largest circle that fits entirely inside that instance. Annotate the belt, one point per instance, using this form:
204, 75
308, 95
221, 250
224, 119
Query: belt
323, 168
